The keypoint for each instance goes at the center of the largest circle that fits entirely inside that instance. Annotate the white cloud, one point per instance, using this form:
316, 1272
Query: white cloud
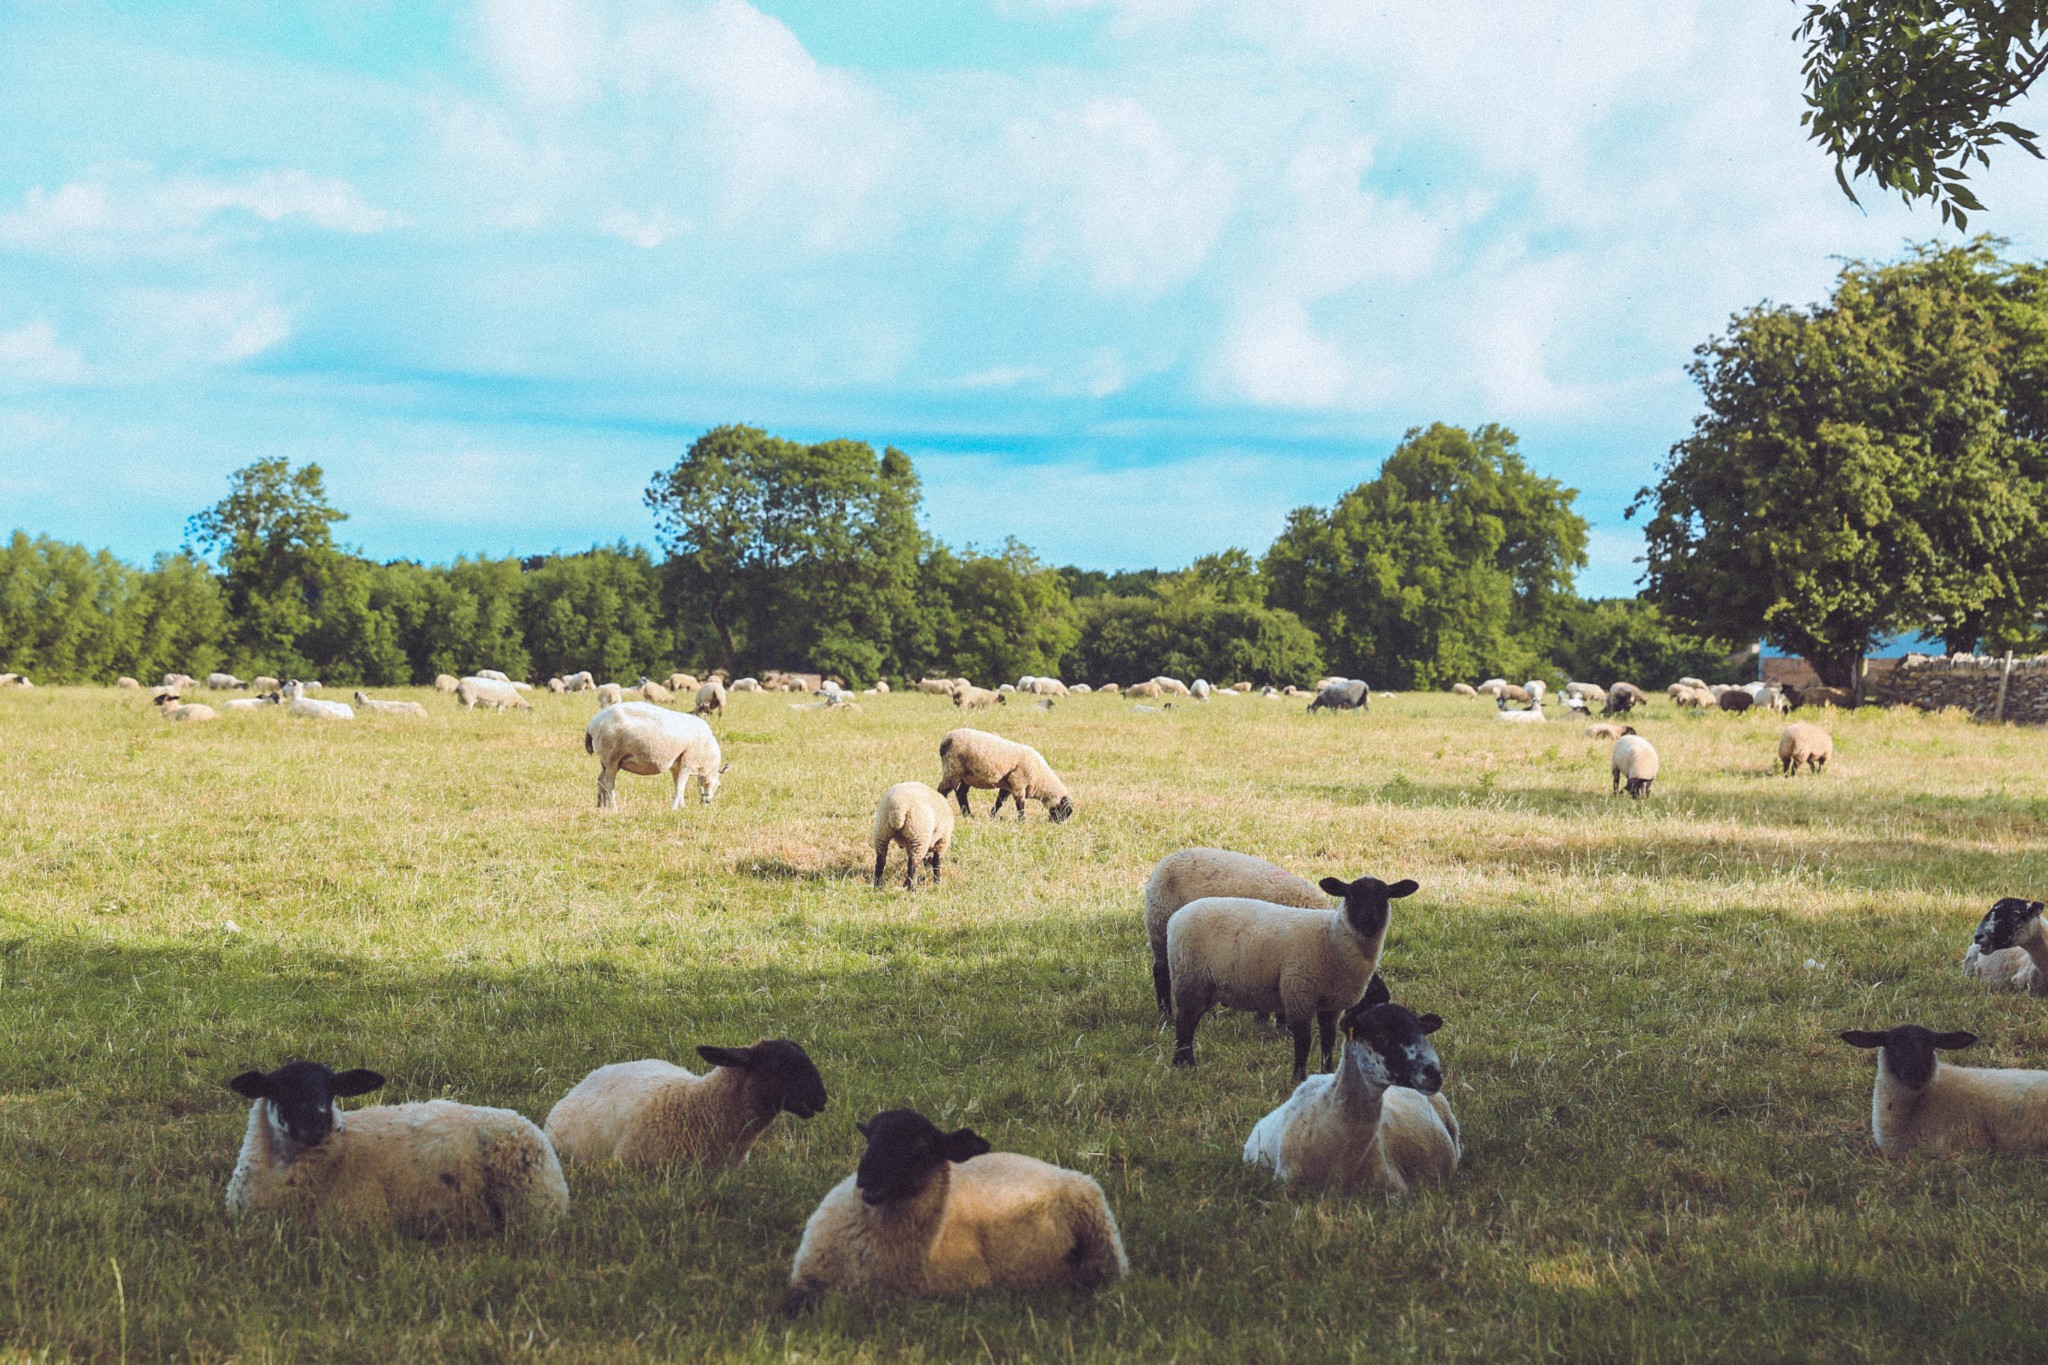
208, 326
132, 203
1274, 355
549, 51
644, 230
31, 354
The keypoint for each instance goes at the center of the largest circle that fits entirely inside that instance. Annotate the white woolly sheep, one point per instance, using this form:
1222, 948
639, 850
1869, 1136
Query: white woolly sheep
180, 680
711, 698
978, 760
253, 703
1531, 716
745, 685
297, 703
653, 1113
172, 710
579, 682
431, 1167
1080, 690
475, 692
1922, 1102
1192, 874
263, 682
1172, 686
1380, 1124
388, 708
937, 687
446, 682
493, 674
1144, 690
557, 686
917, 819
1689, 681
977, 698
2010, 947
640, 737
1804, 743
1199, 689
1464, 690
127, 684
1492, 687
224, 682
650, 690
683, 682
1634, 763
1608, 730
934, 1213
1254, 955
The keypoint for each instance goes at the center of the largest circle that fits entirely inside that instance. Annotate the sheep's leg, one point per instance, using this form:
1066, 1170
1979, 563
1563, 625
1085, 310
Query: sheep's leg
1187, 1016
1614, 786
1001, 796
607, 787
881, 861
1162, 986
1299, 1028
912, 856
682, 781
935, 867
960, 794
1326, 1030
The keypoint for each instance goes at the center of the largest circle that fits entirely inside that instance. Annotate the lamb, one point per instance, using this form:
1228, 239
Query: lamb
1803, 742
971, 759
481, 691
1634, 762
1345, 694
1379, 1124
172, 710
643, 738
653, 691
436, 1166
1254, 955
1922, 1102
711, 698
1193, 874
975, 698
388, 708
1529, 717
920, 821
224, 682
2009, 947
446, 682
297, 703
933, 1213
1608, 730
653, 1113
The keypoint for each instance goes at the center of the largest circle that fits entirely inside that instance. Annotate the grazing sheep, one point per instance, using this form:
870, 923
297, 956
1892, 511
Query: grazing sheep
1622, 698
683, 682
650, 690
557, 686
1345, 694
387, 708
1492, 687
1803, 742
1608, 730
1199, 689
1592, 694
1080, 689
920, 821
1512, 693
711, 698
1253, 955
297, 703
640, 737
579, 682
1172, 686
446, 682
480, 691
1110, 689
437, 1166
1043, 687
1696, 699
744, 685
125, 683
934, 1213
224, 682
1922, 1102
1689, 681
1633, 762
654, 1113
937, 687
2009, 947
975, 698
1379, 1124
172, 710
1193, 874
263, 682
1464, 690
1144, 689
609, 694
1529, 717
976, 759
1737, 700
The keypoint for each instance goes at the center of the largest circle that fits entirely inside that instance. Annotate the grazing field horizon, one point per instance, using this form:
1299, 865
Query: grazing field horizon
1667, 1150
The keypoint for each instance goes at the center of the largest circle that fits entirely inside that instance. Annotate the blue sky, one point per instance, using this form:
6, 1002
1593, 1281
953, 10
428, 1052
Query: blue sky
1128, 278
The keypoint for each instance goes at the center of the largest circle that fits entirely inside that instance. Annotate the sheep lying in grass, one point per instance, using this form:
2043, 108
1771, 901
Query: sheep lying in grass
475, 692
2010, 948
1533, 716
640, 737
297, 703
654, 1113
388, 708
1804, 743
920, 821
930, 1213
1922, 1102
1379, 1124
978, 760
172, 709
1192, 874
1634, 763
125, 683
1253, 955
432, 1167
253, 703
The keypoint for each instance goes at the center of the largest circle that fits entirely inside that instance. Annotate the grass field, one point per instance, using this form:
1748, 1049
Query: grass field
1668, 1154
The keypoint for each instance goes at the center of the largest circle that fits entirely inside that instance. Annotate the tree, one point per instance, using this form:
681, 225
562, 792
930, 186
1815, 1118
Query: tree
600, 610
272, 537
1129, 639
1854, 473
1910, 91
1617, 639
1452, 563
994, 617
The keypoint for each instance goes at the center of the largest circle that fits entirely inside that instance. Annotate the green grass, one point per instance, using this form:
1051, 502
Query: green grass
1668, 1153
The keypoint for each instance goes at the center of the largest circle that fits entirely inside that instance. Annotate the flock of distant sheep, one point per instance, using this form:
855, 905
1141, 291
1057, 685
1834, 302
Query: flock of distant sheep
932, 1212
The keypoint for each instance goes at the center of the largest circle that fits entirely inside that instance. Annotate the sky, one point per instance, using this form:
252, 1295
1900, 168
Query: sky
1128, 279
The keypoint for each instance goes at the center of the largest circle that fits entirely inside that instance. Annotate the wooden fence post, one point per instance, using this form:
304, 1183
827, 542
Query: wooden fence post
2004, 677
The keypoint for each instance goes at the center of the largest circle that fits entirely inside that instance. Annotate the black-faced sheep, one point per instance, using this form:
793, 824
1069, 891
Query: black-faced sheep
2010, 947
1804, 743
654, 1113
1634, 764
1345, 694
917, 819
642, 738
978, 760
1622, 698
711, 698
172, 709
1920, 1101
1193, 874
977, 698
929, 1213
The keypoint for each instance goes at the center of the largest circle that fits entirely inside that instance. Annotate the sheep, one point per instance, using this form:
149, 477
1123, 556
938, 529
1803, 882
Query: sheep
1492, 687
493, 674
1622, 698
711, 698
1080, 689
224, 682
1689, 681
653, 1113
1172, 686
263, 682
970, 759
297, 703
1735, 699
1529, 717
436, 1166
1044, 687
1199, 689
1608, 730
1510, 692
1825, 696
1110, 689
1379, 1124
1696, 699
937, 687
1536, 688
180, 681
446, 682
127, 684
1592, 694
253, 703
683, 682
1143, 690
1464, 690
172, 710
1634, 762
1922, 1102
1345, 694
744, 685
481, 691
932, 1213
976, 698
557, 686
650, 690
388, 708
920, 821
1254, 955
2009, 947
12, 680
1192, 874
579, 682
609, 694
1804, 743
642, 738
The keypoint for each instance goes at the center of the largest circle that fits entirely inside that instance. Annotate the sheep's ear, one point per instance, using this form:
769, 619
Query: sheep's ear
250, 1085
356, 1082
1863, 1037
1429, 1023
1377, 992
2036, 908
1335, 886
1949, 1042
962, 1144
1405, 887
726, 1056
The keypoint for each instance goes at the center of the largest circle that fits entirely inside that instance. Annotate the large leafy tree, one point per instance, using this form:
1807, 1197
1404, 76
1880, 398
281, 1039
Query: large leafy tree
272, 537
994, 617
1911, 92
1452, 563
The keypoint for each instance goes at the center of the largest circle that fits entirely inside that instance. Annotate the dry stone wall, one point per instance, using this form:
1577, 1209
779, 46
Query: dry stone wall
1968, 681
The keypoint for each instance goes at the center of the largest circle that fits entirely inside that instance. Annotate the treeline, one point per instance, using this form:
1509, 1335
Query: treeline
1454, 562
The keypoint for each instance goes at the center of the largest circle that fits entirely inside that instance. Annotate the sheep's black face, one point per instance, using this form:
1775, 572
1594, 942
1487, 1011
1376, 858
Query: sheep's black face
904, 1149
784, 1067
1909, 1049
1063, 808
302, 1095
2004, 922
1400, 1038
1367, 900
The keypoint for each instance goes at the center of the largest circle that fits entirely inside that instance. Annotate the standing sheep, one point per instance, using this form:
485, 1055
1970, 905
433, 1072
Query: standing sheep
977, 698
682, 682
976, 759
931, 1213
125, 683
1343, 694
1922, 1102
653, 1113
609, 694
650, 690
642, 738
480, 691
1193, 874
1803, 742
224, 682
446, 682
1633, 762
919, 820
1622, 698
1464, 690
1608, 730
711, 698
